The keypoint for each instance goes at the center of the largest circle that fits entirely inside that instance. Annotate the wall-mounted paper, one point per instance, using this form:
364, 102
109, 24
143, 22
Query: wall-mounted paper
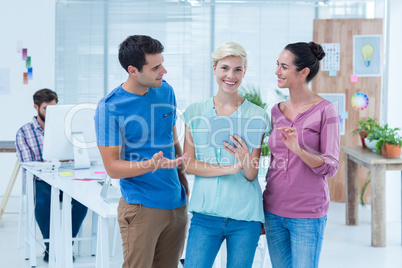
367, 55
332, 58
339, 100
25, 79
332, 72
24, 53
360, 101
4, 81
354, 79
29, 73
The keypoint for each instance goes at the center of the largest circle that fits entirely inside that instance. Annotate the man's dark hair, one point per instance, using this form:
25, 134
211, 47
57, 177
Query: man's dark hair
44, 95
132, 51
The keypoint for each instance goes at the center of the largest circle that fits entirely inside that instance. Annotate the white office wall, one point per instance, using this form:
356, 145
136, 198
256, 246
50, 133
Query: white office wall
393, 105
32, 24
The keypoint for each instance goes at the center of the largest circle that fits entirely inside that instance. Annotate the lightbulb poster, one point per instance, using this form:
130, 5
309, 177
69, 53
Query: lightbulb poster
367, 55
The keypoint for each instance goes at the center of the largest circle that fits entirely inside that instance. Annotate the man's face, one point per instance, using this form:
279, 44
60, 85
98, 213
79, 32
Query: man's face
152, 72
42, 109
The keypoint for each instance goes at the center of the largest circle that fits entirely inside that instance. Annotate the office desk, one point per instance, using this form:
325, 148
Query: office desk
85, 192
357, 155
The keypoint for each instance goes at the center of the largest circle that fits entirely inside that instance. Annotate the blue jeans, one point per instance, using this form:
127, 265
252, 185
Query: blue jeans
294, 242
42, 210
207, 233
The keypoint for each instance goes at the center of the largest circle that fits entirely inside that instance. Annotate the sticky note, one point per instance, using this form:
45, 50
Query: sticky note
344, 115
19, 47
24, 53
354, 78
99, 172
66, 173
332, 72
88, 179
29, 76
28, 62
25, 79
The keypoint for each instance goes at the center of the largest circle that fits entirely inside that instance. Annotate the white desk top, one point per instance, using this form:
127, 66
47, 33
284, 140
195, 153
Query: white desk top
85, 192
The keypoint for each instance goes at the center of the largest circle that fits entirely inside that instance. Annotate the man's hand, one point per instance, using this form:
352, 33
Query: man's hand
161, 162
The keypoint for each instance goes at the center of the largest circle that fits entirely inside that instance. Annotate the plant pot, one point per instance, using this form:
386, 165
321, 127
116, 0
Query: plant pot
384, 151
393, 151
363, 135
370, 144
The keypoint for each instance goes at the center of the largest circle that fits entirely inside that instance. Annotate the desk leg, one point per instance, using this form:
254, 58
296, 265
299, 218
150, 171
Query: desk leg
54, 254
31, 218
67, 248
378, 230
102, 248
351, 192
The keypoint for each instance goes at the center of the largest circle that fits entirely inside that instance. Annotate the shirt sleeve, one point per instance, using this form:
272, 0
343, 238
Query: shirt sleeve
107, 126
187, 116
23, 150
329, 142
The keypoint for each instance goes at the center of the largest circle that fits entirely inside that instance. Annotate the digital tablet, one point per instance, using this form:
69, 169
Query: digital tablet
251, 130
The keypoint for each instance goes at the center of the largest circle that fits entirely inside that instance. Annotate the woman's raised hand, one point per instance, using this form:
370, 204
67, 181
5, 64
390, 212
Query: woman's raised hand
290, 139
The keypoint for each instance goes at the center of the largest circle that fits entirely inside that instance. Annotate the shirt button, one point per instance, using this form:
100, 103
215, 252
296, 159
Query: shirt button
332, 162
286, 159
285, 168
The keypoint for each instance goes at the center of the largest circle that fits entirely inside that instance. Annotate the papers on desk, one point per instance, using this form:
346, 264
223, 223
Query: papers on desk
88, 179
45, 167
66, 174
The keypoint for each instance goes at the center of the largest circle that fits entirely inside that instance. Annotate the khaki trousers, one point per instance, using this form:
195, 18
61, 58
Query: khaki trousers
151, 237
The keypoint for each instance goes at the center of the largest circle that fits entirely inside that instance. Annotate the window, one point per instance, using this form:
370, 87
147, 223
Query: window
88, 33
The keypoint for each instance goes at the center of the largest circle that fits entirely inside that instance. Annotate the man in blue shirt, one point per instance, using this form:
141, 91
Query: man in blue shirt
136, 135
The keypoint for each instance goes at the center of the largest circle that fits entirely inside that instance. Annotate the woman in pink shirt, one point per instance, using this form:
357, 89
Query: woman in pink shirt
304, 145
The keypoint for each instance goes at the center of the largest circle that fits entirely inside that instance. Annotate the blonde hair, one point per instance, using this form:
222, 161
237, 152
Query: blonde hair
229, 49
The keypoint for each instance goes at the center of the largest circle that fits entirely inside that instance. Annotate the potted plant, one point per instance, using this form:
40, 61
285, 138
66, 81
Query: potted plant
373, 137
264, 159
366, 127
389, 143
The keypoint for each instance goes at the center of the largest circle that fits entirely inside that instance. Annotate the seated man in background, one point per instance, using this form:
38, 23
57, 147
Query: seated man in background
29, 143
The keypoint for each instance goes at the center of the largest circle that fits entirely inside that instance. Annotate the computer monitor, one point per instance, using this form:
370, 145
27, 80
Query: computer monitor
70, 134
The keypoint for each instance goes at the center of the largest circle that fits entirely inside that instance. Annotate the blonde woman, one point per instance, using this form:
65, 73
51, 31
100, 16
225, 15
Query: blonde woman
226, 200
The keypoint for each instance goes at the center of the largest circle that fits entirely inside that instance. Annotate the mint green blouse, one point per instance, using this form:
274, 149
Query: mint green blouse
228, 196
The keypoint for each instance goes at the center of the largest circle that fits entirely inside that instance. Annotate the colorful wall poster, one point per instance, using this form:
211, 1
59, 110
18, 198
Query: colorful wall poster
367, 55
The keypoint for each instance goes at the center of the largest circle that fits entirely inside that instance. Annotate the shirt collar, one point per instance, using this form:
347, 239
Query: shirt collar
36, 123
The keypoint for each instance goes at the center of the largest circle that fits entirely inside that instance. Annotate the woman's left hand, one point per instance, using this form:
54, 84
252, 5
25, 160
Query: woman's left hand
291, 139
240, 152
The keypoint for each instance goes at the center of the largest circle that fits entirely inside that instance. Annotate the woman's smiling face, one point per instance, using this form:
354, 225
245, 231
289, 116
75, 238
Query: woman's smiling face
229, 73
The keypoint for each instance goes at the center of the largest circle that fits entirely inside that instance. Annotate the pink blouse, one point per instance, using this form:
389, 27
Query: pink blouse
293, 189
